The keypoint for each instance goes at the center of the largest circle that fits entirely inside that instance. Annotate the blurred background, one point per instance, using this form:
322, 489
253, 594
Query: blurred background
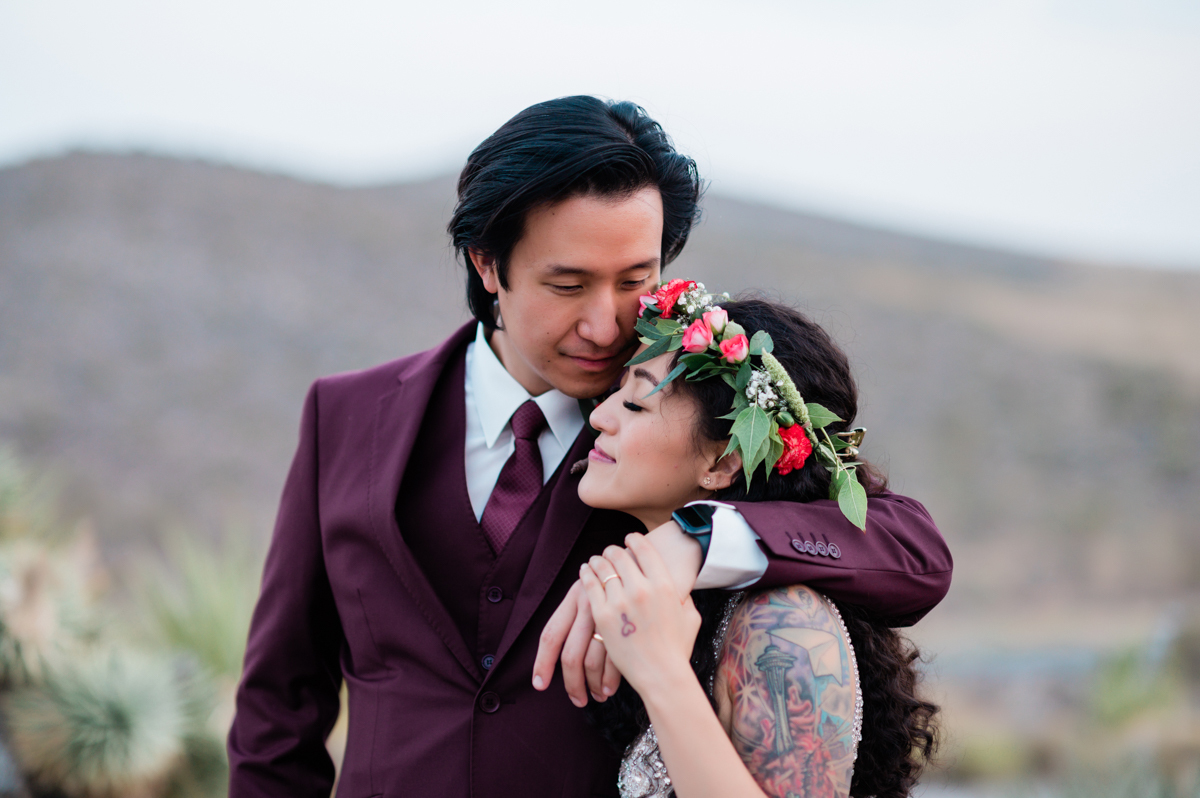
994, 206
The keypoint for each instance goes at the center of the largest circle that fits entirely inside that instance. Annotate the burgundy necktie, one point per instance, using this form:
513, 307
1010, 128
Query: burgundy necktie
520, 480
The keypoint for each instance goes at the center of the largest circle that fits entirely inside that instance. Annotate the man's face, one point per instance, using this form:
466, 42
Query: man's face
574, 280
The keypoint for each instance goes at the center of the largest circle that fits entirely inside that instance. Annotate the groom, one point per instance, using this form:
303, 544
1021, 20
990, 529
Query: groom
430, 527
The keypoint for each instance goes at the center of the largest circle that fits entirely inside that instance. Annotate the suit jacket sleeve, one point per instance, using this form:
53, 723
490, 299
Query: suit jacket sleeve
287, 701
899, 568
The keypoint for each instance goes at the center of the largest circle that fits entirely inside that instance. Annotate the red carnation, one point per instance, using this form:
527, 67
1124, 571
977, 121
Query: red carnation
667, 294
796, 448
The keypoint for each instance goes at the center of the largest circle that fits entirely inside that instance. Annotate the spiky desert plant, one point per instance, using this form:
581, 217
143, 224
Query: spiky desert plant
111, 724
200, 599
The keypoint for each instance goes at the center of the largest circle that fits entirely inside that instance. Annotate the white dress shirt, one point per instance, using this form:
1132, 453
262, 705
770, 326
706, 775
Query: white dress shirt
493, 395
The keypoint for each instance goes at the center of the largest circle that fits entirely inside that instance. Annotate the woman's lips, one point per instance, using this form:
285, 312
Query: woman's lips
598, 455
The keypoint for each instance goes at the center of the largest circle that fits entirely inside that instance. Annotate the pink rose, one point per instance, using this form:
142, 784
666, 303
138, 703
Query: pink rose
697, 336
736, 349
646, 300
717, 318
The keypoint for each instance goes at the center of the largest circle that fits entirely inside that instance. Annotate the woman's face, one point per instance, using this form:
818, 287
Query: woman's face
646, 461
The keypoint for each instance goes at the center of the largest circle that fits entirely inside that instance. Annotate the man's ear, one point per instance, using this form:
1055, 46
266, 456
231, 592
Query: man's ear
724, 471
485, 264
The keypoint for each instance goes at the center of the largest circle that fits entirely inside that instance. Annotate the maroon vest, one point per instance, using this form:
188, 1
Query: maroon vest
474, 585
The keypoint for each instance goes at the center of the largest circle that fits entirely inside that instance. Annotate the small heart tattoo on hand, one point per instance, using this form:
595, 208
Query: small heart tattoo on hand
627, 627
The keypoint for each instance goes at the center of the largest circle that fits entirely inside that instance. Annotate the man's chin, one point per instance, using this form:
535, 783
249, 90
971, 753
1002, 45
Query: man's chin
588, 385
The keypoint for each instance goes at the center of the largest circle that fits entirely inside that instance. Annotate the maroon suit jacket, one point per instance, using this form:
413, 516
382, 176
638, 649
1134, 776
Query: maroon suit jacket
343, 598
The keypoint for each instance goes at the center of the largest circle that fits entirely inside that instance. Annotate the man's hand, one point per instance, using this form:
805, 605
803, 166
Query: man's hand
585, 662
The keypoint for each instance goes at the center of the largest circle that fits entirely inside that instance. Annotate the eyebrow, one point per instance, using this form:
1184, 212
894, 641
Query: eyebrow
645, 375
562, 270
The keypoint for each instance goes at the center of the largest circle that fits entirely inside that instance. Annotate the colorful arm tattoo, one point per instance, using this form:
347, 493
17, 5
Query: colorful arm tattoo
785, 656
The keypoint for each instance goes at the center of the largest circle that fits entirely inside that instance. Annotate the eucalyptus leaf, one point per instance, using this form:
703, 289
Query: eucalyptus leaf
731, 382
732, 330
675, 372
820, 416
852, 498
655, 349
761, 342
676, 342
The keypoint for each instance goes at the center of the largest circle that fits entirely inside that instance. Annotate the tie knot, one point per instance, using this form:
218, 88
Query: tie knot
528, 422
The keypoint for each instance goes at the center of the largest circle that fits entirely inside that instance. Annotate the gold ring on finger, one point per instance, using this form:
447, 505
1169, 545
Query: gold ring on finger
604, 581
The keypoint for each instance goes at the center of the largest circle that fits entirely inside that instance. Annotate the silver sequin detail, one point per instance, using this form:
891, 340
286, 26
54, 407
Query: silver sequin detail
643, 773
856, 729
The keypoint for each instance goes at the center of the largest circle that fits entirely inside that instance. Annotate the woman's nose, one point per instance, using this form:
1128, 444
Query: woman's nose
603, 418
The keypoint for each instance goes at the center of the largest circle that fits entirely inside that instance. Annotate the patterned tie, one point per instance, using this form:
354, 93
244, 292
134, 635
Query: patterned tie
520, 480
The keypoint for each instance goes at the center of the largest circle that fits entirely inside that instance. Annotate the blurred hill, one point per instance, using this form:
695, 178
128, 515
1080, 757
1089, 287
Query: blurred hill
160, 321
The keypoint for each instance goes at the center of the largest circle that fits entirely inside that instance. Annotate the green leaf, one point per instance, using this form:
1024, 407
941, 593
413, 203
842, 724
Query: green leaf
675, 372
695, 360
761, 342
743, 377
852, 498
820, 416
838, 444
752, 427
647, 329
775, 448
655, 349
668, 326
732, 414
731, 382
732, 330
676, 342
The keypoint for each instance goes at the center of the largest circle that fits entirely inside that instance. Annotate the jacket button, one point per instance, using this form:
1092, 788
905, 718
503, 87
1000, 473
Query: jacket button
495, 595
821, 549
797, 545
487, 662
489, 702
834, 551
809, 547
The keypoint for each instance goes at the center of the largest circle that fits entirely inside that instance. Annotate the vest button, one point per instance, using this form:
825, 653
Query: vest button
489, 702
495, 595
487, 662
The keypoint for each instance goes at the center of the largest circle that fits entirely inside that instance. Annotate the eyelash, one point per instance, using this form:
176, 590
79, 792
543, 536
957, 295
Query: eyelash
630, 406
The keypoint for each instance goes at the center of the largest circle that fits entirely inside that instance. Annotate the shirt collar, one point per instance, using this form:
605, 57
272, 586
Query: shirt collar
498, 395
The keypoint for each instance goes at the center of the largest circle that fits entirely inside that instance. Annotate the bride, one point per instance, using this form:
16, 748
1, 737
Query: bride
777, 692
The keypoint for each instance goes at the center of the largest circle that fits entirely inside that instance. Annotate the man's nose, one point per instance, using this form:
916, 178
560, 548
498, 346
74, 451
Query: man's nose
599, 323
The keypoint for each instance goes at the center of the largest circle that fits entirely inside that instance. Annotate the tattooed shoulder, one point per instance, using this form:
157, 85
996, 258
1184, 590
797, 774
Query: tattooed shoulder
789, 683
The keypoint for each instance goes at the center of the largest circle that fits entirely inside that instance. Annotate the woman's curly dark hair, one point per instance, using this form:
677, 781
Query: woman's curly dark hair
899, 734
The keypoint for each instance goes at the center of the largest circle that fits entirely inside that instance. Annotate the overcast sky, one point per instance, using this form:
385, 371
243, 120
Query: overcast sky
1067, 127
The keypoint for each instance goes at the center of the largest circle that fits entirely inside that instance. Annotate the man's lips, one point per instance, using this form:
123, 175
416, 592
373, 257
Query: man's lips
597, 363
598, 455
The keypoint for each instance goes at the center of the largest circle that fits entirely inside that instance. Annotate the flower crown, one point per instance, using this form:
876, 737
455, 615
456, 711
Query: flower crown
772, 425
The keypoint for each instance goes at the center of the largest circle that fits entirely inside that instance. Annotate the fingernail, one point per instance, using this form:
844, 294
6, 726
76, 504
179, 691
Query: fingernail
577, 702
597, 699
608, 691
538, 684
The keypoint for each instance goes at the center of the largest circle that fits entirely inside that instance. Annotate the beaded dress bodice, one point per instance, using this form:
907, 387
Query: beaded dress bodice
643, 773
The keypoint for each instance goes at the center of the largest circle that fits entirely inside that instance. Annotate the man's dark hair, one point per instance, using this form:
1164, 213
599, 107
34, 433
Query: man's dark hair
553, 151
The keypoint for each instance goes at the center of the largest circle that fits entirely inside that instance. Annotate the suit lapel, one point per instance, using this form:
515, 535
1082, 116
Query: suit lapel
397, 423
565, 519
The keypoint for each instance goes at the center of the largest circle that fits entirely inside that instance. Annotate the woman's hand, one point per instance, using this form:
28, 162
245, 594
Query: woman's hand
648, 630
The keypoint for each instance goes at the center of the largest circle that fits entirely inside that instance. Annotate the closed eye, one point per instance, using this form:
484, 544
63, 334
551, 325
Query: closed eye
632, 407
